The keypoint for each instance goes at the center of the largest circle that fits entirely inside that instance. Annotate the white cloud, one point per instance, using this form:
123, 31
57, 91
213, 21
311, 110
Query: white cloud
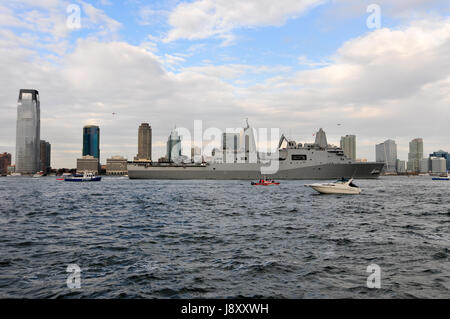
405, 9
96, 18
148, 15
303, 60
207, 18
47, 21
234, 71
385, 84
7, 18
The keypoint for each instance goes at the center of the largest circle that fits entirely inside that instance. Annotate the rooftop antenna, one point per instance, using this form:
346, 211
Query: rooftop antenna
246, 121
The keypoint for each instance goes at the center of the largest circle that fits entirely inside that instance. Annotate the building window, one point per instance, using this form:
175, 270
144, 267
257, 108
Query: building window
297, 157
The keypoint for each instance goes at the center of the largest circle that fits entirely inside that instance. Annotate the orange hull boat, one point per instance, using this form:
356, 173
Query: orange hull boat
265, 183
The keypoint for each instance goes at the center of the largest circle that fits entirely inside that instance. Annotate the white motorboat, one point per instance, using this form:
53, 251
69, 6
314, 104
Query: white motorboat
341, 186
38, 174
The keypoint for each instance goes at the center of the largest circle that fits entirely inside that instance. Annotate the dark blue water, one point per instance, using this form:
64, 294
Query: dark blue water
189, 239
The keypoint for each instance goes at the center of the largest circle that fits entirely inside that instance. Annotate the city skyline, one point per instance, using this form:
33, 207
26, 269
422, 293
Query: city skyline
295, 70
91, 144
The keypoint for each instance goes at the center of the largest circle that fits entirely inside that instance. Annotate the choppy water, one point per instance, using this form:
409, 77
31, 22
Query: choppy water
189, 239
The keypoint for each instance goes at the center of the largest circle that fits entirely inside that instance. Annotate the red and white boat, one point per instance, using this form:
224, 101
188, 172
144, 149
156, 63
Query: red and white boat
264, 182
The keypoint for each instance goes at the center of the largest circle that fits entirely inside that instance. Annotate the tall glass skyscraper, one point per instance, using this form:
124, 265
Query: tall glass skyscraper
173, 146
28, 132
91, 141
387, 152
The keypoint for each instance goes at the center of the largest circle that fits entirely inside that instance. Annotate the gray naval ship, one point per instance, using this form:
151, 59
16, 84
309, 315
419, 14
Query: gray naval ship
292, 161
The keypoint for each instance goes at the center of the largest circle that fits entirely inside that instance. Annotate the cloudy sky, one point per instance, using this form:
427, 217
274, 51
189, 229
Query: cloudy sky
294, 64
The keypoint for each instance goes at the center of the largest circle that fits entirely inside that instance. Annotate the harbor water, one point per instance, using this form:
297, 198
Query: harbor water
223, 239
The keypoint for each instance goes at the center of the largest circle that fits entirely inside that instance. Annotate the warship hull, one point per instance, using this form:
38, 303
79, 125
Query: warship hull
253, 171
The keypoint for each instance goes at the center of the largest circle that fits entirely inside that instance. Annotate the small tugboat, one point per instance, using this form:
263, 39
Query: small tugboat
87, 177
264, 182
341, 186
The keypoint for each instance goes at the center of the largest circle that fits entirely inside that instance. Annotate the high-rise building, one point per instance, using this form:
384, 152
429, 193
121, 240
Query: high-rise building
348, 145
443, 154
387, 152
5, 161
173, 146
45, 156
91, 141
401, 166
438, 165
144, 143
28, 132
415, 155
424, 165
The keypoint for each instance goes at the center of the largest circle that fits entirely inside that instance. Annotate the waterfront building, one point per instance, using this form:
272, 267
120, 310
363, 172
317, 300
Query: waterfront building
173, 146
116, 165
91, 141
387, 152
5, 162
443, 154
401, 166
438, 165
45, 156
348, 145
28, 128
144, 143
196, 154
424, 165
88, 163
415, 155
